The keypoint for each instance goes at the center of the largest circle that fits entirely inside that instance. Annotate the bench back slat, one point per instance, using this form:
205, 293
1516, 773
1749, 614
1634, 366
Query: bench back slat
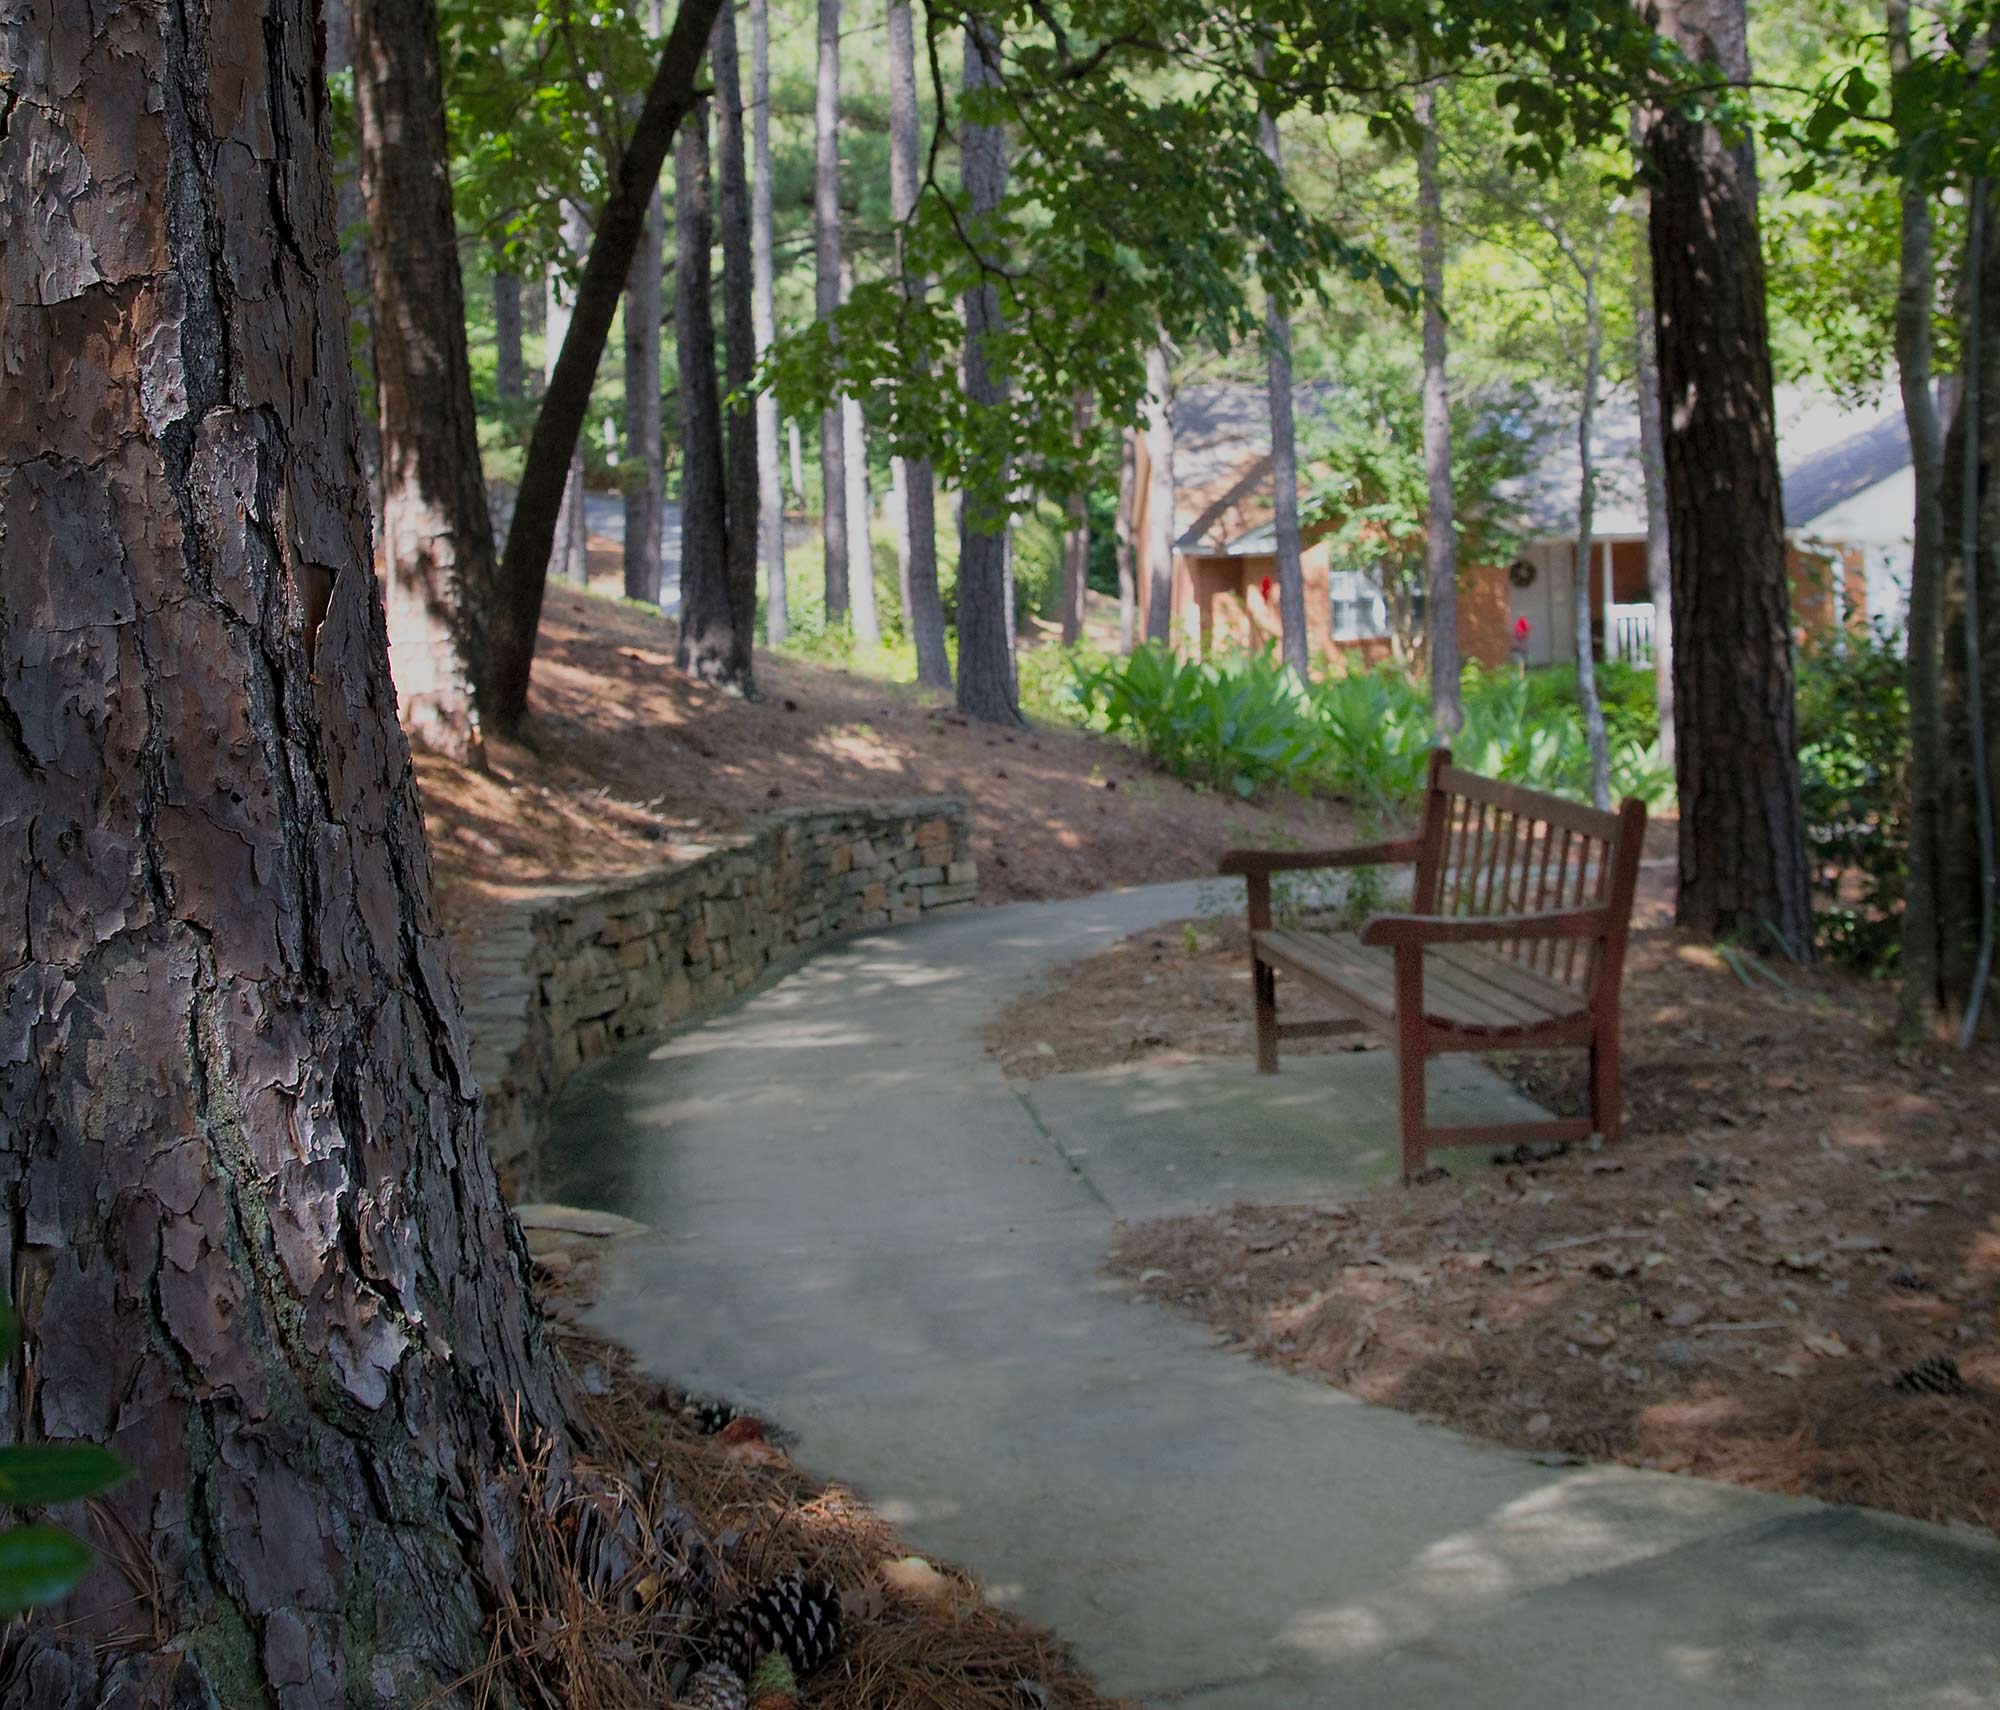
1496, 848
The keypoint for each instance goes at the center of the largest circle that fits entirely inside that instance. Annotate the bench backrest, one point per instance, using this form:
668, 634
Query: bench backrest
1495, 848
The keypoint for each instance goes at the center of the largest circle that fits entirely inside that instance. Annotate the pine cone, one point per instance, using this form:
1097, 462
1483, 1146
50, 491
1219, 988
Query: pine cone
715, 1687
1938, 1375
798, 1617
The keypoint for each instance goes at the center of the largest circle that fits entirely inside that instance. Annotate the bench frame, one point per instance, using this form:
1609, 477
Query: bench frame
1465, 855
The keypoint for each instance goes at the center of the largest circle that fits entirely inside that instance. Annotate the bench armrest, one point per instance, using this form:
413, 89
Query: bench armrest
1246, 862
1420, 929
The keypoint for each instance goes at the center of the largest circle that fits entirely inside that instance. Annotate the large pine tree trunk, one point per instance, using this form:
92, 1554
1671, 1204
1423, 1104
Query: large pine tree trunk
985, 622
1969, 642
708, 646
1653, 465
1159, 494
1440, 526
252, 1225
923, 607
351, 211
437, 538
1922, 996
826, 300
739, 346
644, 482
1742, 835
524, 566
1284, 453
770, 481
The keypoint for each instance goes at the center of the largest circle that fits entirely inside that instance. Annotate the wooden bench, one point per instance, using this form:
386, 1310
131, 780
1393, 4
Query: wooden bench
1515, 941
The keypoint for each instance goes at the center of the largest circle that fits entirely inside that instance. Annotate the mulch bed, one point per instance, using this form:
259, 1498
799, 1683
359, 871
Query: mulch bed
1787, 1274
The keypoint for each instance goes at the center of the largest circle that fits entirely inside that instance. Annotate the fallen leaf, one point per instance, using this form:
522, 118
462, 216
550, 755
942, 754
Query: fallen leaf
1827, 1344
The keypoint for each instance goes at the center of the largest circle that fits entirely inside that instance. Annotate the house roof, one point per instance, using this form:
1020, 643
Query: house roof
1222, 463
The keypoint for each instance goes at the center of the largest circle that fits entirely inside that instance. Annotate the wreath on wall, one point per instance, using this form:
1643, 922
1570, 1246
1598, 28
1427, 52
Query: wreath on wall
1521, 573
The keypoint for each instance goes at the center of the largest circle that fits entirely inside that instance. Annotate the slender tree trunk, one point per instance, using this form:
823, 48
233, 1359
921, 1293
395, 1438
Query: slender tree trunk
707, 648
509, 372
923, 608
1586, 521
1742, 833
1922, 997
571, 544
253, 1229
770, 482
1076, 539
739, 345
1440, 527
1969, 699
1127, 540
798, 459
525, 564
1160, 531
1284, 454
437, 538
645, 475
1653, 467
351, 210
860, 536
826, 301
985, 627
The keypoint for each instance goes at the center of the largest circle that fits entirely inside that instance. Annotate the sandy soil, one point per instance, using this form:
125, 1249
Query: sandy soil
626, 762
1786, 1275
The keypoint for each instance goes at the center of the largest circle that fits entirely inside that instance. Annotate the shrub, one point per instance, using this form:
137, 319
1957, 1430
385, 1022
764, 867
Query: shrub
1854, 752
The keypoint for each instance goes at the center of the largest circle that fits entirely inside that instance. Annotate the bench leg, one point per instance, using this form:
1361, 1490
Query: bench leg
1606, 1105
1410, 1092
1264, 988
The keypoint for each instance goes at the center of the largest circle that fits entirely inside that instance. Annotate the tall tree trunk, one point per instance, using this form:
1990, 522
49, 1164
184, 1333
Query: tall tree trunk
1159, 494
1127, 540
985, 627
770, 482
1586, 522
571, 544
739, 346
1440, 526
252, 1226
1922, 997
509, 372
524, 566
1653, 467
1969, 702
437, 538
796, 440
707, 648
826, 300
1742, 833
860, 536
645, 475
1076, 539
923, 607
1284, 453
351, 211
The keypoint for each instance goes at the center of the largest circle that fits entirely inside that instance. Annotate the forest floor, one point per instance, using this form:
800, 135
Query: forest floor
1786, 1275
627, 761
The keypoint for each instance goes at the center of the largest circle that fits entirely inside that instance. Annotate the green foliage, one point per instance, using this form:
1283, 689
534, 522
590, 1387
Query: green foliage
39, 1564
1854, 750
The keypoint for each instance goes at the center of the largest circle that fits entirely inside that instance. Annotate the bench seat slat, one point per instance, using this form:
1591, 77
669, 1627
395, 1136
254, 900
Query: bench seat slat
1470, 990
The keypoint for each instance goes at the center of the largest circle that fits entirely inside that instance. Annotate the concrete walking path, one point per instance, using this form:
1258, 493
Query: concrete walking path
869, 1234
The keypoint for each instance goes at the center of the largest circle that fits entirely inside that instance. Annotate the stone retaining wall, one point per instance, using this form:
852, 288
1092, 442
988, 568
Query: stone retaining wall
575, 972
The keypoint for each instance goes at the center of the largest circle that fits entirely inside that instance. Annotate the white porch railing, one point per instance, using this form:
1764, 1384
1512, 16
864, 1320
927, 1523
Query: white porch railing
1632, 634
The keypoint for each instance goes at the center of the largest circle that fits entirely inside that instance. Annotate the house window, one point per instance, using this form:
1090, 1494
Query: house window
1359, 610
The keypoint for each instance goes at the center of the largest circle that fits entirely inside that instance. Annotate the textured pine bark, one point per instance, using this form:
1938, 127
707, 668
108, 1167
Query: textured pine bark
1742, 836
770, 480
739, 346
707, 647
985, 622
826, 300
437, 537
524, 566
923, 606
250, 1219
1440, 526
1159, 494
644, 485
1284, 452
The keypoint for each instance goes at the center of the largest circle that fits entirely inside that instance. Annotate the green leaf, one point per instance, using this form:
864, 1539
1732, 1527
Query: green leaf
33, 1475
38, 1565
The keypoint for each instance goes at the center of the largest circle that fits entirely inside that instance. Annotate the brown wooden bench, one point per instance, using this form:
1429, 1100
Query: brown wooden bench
1515, 941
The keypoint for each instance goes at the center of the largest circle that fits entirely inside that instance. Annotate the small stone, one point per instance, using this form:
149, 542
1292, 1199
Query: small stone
542, 1217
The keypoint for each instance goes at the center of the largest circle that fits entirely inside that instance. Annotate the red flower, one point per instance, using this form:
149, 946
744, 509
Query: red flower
1520, 629
1264, 587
